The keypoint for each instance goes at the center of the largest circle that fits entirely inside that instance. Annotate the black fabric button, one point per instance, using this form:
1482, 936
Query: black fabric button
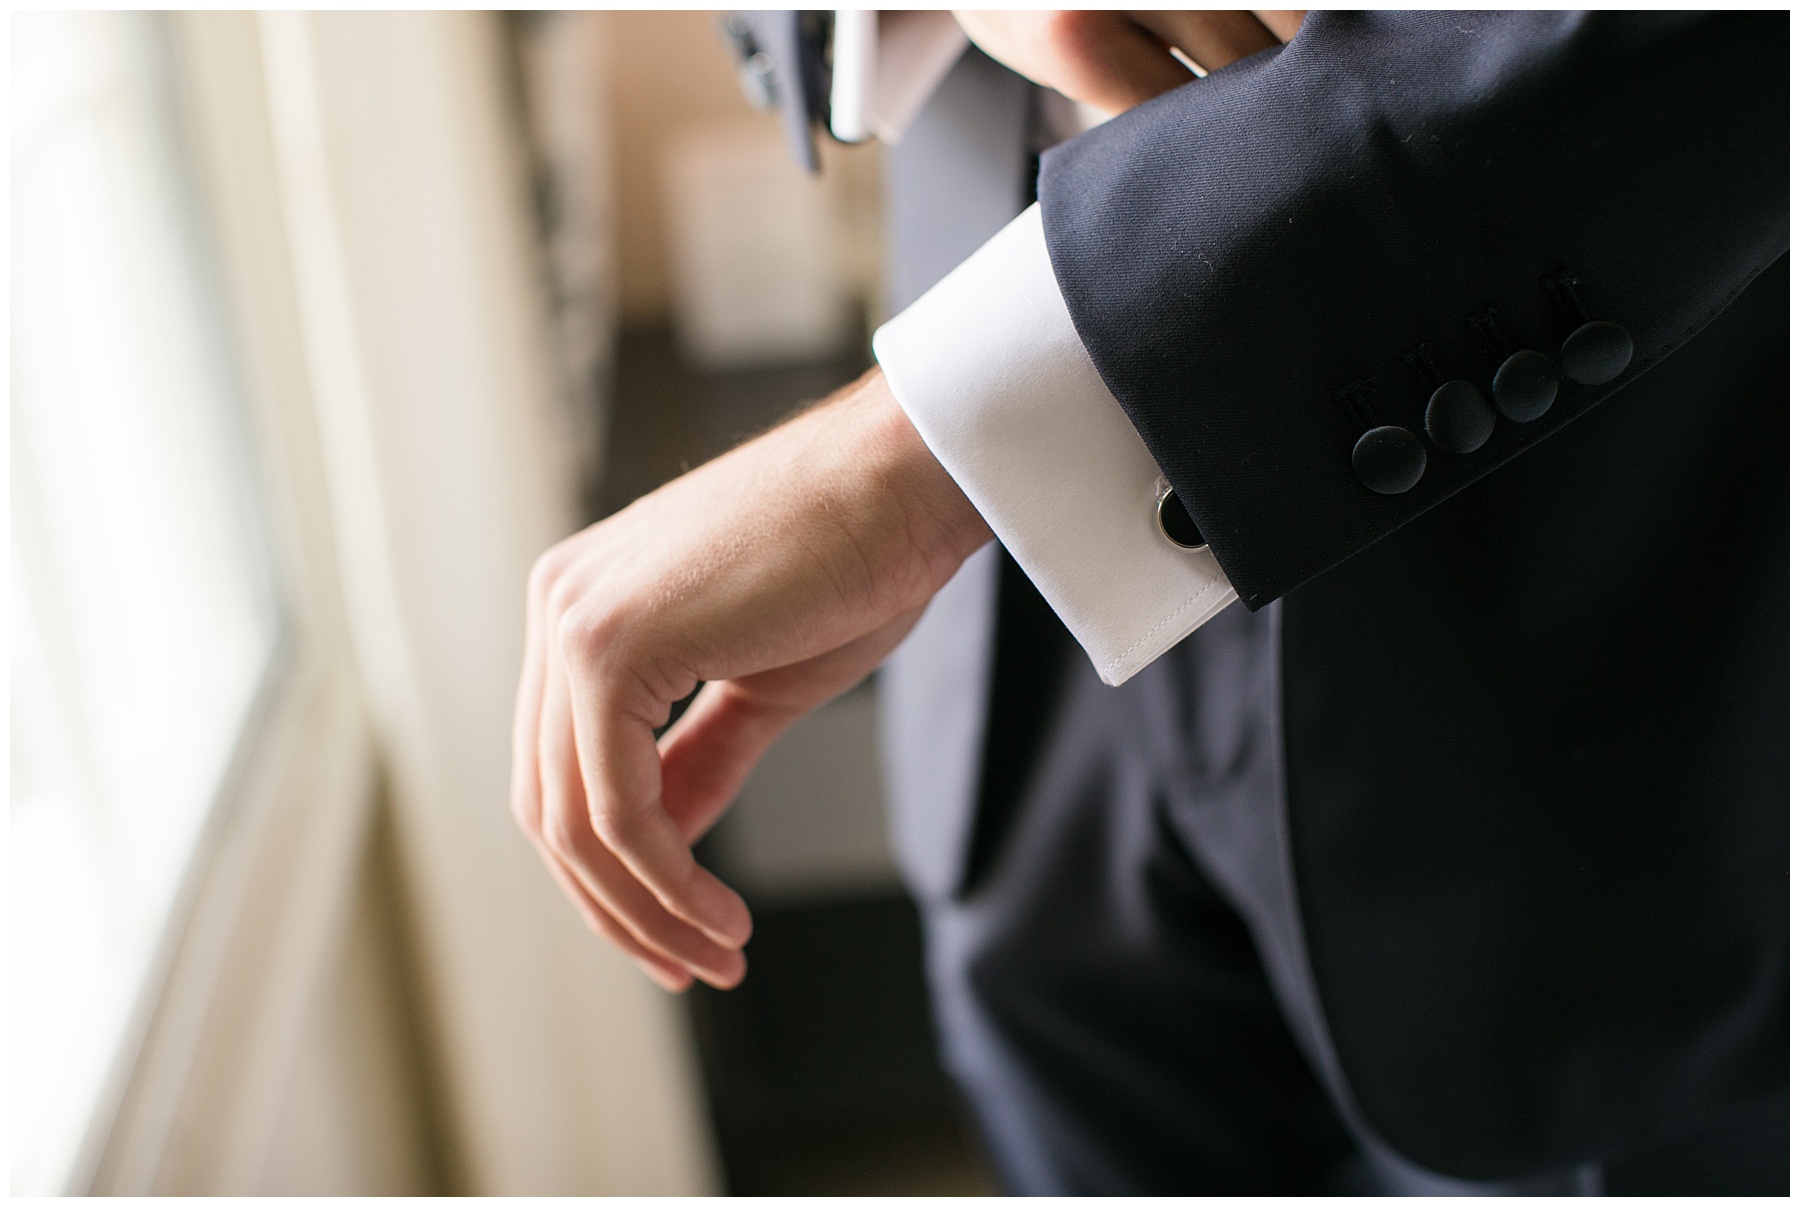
1525, 386
1388, 460
1596, 353
1176, 523
1458, 419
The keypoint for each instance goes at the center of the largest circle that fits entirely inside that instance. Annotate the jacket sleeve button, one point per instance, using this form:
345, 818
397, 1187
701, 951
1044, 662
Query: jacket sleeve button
1596, 353
1176, 524
1388, 460
1525, 386
1458, 419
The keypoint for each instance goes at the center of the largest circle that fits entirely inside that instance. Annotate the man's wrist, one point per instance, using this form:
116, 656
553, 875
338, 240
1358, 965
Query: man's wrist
937, 516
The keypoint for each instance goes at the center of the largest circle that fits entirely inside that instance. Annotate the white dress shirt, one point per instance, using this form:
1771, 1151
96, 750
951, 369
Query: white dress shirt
989, 368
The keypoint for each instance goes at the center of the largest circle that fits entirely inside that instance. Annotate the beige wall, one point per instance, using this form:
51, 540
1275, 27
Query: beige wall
673, 68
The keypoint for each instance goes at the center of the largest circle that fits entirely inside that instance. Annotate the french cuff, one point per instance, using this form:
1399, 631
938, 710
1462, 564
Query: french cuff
988, 367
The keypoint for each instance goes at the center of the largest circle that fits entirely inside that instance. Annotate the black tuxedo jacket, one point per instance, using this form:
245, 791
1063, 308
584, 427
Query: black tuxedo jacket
1534, 690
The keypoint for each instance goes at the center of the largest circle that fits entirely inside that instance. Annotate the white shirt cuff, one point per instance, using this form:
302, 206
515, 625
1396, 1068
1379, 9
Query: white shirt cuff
990, 370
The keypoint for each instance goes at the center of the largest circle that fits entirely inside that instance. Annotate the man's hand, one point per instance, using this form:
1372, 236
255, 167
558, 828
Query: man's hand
779, 575
1114, 60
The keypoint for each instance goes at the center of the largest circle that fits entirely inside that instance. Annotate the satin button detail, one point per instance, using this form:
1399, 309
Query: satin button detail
1596, 353
1177, 525
1458, 419
1525, 386
1388, 460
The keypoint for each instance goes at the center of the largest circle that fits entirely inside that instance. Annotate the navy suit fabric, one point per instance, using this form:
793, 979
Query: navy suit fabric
1237, 250
1533, 712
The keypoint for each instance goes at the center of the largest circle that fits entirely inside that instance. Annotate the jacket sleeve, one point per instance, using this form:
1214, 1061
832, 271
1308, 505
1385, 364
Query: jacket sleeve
1338, 282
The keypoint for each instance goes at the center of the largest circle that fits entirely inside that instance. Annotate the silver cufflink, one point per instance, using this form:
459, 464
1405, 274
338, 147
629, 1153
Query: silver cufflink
1174, 522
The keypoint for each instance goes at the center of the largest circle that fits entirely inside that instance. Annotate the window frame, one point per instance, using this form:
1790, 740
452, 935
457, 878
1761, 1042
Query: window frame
252, 927
278, 107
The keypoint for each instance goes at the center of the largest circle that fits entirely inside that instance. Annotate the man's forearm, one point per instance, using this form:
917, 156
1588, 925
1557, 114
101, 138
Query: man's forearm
779, 574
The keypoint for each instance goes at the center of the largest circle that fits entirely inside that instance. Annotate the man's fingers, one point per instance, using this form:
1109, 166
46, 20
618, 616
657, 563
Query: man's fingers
670, 976
627, 902
1284, 23
1211, 38
1115, 63
622, 773
710, 752
1115, 60
526, 805
569, 834
1101, 58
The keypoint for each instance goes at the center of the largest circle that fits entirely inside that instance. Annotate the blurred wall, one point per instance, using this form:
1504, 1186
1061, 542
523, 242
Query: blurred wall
362, 1111
431, 350
671, 71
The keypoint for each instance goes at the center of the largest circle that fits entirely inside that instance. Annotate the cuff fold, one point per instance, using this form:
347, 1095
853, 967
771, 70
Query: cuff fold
989, 368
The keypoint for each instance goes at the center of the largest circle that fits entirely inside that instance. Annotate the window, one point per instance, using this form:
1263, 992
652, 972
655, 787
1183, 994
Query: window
144, 623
